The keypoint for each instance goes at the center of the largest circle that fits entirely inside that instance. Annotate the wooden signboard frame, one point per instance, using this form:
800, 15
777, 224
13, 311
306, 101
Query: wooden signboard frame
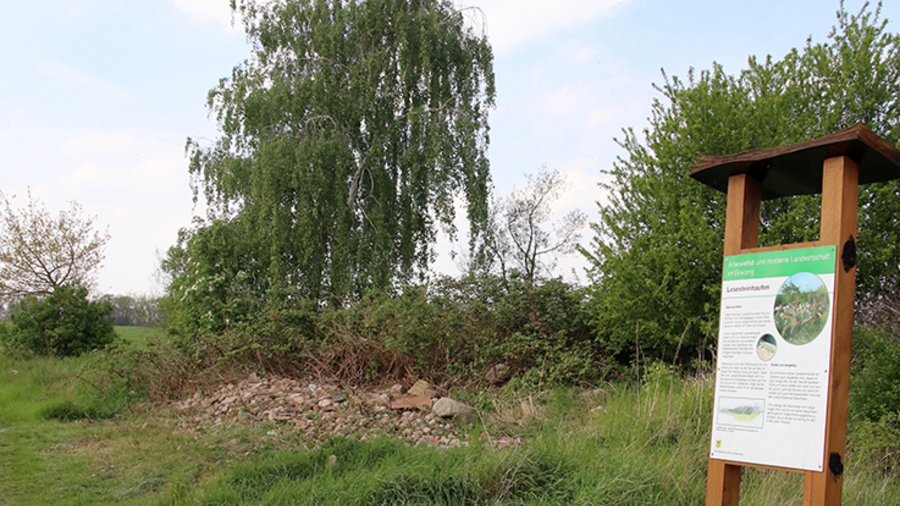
835, 166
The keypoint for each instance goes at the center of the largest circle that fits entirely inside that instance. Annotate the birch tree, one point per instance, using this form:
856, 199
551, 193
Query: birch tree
345, 137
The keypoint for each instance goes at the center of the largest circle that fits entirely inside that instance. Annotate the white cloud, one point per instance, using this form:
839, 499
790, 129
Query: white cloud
128, 157
71, 77
580, 190
600, 118
513, 23
206, 11
578, 54
563, 100
134, 181
70, 9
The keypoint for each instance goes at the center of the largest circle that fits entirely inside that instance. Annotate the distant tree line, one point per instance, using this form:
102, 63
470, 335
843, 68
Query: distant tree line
134, 310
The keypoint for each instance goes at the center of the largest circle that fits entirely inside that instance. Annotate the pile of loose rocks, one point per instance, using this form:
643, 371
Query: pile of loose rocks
420, 415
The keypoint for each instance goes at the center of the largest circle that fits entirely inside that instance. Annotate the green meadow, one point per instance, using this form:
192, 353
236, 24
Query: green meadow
64, 440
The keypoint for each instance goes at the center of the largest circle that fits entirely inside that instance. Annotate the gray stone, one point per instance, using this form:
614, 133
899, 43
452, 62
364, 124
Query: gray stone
498, 374
422, 388
381, 399
446, 407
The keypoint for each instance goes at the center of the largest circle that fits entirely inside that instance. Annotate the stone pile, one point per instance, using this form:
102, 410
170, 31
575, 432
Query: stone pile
322, 411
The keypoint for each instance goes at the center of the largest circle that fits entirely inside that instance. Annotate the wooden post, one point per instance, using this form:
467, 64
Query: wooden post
742, 214
723, 481
840, 190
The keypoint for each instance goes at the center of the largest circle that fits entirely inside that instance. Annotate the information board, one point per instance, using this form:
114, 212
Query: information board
773, 357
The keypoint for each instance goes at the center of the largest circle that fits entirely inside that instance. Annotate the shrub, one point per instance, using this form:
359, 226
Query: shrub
62, 324
401, 336
875, 384
877, 442
451, 330
455, 329
547, 335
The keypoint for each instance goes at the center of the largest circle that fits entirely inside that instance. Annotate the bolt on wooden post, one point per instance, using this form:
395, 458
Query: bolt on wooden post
786, 317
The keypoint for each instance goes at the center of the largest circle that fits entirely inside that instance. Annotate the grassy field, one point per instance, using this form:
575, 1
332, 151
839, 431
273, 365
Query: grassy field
638, 444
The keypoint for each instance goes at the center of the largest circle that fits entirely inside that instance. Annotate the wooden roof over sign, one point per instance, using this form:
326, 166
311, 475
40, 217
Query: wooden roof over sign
797, 169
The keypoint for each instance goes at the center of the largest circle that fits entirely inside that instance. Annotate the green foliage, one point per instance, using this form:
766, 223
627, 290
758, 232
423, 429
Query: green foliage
877, 443
139, 311
450, 330
216, 281
660, 374
875, 384
539, 330
62, 324
345, 138
800, 314
544, 333
658, 248
399, 336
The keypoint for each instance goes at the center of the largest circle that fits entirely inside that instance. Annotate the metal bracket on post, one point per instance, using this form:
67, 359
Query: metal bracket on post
848, 254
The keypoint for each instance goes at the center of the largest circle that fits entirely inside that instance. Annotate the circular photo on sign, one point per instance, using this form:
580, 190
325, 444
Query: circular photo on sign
766, 347
801, 308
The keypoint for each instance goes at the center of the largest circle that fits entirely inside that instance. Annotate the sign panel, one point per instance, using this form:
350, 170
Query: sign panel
773, 358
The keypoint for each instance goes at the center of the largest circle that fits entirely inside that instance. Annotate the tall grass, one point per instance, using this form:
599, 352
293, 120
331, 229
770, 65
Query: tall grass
388, 472
65, 439
639, 444
141, 338
65, 388
644, 442
31, 388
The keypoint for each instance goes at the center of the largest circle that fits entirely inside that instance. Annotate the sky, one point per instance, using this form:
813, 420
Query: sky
97, 98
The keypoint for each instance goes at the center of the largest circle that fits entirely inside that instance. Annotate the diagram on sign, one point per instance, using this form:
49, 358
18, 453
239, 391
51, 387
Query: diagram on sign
743, 412
766, 347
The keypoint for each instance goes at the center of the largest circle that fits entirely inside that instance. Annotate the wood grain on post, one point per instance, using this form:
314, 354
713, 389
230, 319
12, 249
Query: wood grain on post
723, 481
742, 214
840, 190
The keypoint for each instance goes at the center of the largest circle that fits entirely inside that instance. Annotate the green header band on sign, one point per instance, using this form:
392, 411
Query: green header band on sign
777, 264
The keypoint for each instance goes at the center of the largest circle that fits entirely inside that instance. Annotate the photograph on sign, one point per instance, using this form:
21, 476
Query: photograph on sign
773, 353
801, 308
